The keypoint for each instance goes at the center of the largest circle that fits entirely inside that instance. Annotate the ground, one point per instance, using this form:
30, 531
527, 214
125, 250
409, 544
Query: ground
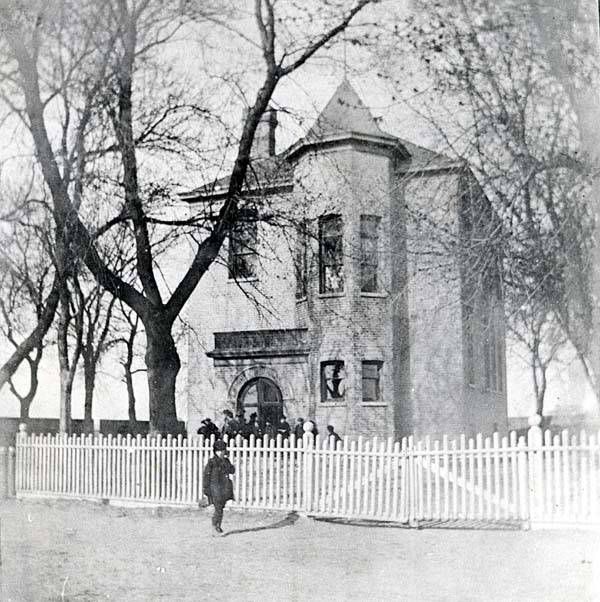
70, 550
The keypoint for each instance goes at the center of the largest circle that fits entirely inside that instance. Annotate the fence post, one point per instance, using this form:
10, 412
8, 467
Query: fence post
11, 486
411, 484
523, 497
535, 468
307, 450
3, 473
20, 469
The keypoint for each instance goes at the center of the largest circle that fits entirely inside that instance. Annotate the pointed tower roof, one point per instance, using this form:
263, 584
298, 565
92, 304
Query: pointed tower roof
344, 113
345, 118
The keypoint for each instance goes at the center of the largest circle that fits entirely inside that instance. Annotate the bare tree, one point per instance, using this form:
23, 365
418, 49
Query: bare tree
10, 310
542, 337
570, 36
510, 117
112, 59
26, 283
29, 293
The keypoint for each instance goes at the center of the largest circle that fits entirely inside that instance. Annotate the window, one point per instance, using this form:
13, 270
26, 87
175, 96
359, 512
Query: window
492, 352
369, 255
332, 380
489, 355
301, 261
500, 363
469, 345
371, 380
243, 257
331, 261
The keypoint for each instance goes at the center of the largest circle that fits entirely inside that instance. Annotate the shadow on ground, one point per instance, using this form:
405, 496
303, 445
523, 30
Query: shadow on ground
459, 524
286, 521
472, 525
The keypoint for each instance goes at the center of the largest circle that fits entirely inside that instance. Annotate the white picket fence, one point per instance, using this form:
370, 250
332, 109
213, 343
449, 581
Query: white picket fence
545, 479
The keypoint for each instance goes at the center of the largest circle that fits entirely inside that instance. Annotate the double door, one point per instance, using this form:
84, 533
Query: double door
263, 396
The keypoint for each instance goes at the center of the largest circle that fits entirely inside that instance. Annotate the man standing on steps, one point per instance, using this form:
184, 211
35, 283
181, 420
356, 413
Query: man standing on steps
217, 485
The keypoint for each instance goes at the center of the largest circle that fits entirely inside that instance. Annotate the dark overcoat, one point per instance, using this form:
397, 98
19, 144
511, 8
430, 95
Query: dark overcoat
216, 482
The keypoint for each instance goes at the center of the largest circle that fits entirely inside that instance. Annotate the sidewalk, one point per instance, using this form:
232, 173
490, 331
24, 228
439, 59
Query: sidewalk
55, 550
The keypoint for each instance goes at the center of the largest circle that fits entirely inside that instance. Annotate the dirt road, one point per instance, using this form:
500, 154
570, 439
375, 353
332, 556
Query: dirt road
55, 550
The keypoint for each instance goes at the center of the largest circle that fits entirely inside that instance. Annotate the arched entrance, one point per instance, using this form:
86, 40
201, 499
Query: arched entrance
263, 396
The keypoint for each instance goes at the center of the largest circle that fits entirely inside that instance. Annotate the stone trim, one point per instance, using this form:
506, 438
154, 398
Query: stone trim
260, 343
258, 371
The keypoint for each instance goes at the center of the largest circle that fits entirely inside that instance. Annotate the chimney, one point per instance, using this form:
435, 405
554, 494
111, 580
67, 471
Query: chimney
264, 138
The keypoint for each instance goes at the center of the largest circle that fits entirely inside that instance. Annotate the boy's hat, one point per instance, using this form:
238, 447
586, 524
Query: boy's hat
220, 445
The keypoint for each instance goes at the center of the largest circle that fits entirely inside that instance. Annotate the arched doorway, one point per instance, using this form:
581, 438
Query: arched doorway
263, 396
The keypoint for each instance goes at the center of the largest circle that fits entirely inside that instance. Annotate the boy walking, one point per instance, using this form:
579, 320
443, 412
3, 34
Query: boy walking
217, 485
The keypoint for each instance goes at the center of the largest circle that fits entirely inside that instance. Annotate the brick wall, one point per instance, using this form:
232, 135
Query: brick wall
351, 181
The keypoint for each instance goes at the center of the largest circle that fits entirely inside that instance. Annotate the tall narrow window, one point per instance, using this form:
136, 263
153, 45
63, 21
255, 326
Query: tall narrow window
243, 257
369, 256
469, 344
333, 380
500, 361
490, 349
331, 259
371, 380
301, 261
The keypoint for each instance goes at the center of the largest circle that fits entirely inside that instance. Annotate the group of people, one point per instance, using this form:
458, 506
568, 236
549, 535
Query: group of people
238, 425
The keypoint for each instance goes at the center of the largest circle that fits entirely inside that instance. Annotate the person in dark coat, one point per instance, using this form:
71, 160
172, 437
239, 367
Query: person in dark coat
332, 436
299, 429
216, 484
211, 428
253, 426
230, 425
270, 431
283, 428
246, 430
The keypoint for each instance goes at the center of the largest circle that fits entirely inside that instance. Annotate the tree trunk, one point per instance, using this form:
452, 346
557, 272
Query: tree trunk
67, 365
63, 366
24, 411
541, 392
130, 390
89, 378
127, 367
131, 399
162, 361
26, 401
